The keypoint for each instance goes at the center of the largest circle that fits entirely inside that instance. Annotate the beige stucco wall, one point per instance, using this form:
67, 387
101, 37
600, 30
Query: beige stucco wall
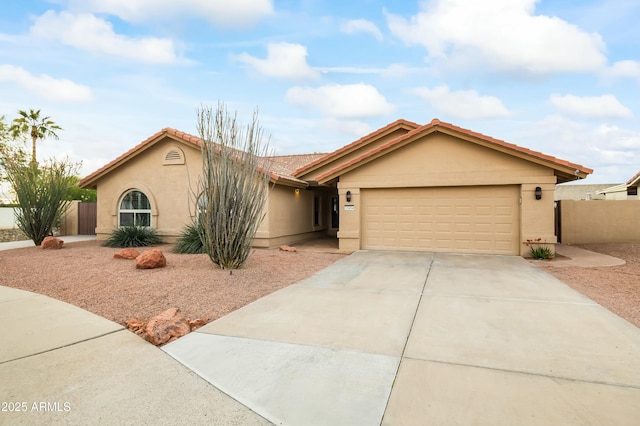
170, 189
618, 195
569, 191
289, 218
69, 223
439, 160
601, 221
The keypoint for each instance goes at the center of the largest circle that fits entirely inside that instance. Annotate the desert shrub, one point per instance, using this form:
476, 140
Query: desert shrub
190, 241
132, 236
42, 194
234, 185
541, 252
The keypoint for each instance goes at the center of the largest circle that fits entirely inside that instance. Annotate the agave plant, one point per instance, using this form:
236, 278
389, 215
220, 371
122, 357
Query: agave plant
132, 236
190, 241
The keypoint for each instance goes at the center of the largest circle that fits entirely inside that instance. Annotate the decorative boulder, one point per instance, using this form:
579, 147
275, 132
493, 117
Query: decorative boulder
167, 327
197, 323
288, 248
151, 259
127, 253
51, 243
136, 326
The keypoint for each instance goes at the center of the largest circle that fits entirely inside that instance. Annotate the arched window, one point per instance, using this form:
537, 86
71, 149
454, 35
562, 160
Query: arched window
135, 210
201, 206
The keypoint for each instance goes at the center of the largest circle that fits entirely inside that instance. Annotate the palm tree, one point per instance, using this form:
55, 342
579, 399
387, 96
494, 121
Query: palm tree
30, 123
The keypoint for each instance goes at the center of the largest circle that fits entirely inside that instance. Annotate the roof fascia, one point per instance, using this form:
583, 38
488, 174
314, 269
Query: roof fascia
566, 172
348, 149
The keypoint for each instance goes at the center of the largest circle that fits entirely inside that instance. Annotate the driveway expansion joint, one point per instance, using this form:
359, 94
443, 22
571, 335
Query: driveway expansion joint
64, 346
527, 373
512, 299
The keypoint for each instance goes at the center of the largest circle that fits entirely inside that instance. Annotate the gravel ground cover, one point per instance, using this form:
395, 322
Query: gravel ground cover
85, 274
617, 288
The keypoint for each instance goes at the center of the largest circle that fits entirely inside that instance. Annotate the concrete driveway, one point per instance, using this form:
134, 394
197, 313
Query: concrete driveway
421, 338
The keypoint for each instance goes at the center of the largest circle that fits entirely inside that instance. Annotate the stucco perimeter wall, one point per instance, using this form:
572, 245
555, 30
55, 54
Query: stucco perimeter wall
599, 221
69, 223
170, 189
440, 160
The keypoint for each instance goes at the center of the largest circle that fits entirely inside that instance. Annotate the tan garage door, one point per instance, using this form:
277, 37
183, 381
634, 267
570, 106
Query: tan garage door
458, 219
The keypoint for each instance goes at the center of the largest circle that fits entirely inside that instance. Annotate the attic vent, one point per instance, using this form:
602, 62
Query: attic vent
173, 156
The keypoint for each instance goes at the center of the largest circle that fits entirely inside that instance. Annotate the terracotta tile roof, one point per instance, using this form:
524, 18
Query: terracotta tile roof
286, 168
634, 179
287, 164
362, 141
141, 146
279, 167
436, 124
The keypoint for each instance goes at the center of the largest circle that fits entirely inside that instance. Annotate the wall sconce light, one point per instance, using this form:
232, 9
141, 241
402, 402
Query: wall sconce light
538, 193
348, 196
297, 191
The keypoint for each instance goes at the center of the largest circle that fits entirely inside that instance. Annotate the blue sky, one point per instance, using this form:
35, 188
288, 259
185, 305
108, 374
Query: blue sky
561, 77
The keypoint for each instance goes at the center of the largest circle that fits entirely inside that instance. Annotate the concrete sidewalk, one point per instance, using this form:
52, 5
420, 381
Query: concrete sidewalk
421, 338
576, 256
61, 365
10, 245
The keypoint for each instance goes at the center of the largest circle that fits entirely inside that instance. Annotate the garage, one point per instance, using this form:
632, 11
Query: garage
443, 188
466, 219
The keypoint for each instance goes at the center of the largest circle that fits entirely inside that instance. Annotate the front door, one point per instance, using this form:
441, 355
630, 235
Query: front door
335, 209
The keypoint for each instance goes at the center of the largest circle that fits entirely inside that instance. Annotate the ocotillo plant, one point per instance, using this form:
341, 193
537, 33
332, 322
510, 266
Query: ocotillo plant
233, 187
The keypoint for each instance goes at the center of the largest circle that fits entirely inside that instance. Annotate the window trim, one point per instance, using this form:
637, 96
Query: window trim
135, 211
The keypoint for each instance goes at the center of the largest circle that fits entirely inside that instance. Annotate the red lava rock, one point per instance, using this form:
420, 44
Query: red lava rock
151, 259
167, 327
51, 243
197, 323
288, 248
127, 253
136, 326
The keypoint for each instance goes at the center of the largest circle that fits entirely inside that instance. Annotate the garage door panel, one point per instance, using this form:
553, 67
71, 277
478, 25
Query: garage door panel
461, 219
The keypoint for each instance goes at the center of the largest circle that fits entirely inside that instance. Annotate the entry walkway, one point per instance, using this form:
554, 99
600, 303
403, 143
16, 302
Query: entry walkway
576, 256
10, 245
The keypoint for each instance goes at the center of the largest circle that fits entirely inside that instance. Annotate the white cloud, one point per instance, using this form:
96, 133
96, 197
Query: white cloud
466, 104
391, 71
221, 13
284, 60
352, 70
354, 128
624, 69
362, 26
45, 85
504, 34
619, 138
613, 152
87, 32
400, 70
605, 106
343, 101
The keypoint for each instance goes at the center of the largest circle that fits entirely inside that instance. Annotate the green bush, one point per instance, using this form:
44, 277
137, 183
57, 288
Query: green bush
542, 252
132, 236
42, 193
190, 241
